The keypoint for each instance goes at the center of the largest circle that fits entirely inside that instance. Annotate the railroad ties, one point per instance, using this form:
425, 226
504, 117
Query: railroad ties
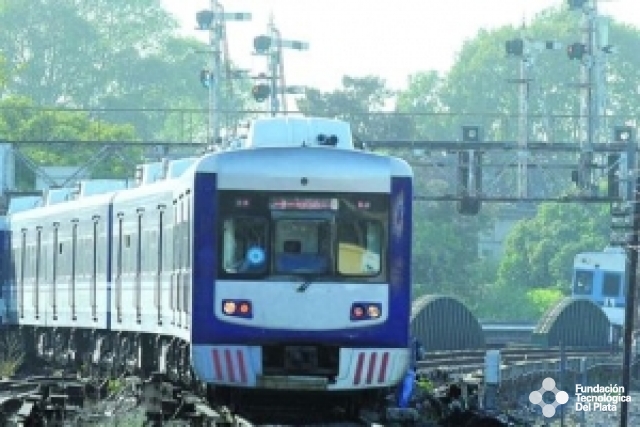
71, 401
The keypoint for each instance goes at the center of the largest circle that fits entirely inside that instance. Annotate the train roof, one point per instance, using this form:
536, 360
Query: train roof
280, 167
54, 196
288, 131
91, 202
613, 261
21, 204
148, 190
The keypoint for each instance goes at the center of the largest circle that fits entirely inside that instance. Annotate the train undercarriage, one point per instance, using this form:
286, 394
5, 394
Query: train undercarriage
98, 352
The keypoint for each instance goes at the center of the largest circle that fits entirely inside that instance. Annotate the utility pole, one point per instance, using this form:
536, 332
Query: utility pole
626, 227
630, 303
213, 20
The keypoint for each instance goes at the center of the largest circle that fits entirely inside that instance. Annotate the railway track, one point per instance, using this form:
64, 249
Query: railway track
68, 400
471, 358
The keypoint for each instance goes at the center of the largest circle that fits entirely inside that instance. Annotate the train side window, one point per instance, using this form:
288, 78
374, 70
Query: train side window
583, 284
611, 284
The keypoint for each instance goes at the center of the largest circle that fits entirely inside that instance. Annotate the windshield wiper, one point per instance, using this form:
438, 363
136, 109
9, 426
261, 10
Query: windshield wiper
305, 285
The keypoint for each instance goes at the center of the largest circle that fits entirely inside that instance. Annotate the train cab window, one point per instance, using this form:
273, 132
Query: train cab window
245, 245
611, 284
330, 237
583, 283
359, 247
302, 246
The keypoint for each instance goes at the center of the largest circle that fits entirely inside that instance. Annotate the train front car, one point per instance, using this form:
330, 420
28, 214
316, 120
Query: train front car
301, 262
600, 276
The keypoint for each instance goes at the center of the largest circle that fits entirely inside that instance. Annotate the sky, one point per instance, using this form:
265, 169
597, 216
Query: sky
391, 39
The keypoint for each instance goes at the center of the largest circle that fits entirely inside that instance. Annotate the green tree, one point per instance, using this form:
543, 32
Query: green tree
477, 88
117, 55
20, 121
363, 102
540, 251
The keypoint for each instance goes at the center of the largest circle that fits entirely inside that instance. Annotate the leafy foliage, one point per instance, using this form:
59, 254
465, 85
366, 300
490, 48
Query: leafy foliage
20, 120
540, 251
109, 54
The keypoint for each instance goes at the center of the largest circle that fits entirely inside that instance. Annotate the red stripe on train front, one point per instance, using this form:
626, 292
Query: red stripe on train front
383, 367
356, 379
216, 364
372, 366
227, 356
243, 373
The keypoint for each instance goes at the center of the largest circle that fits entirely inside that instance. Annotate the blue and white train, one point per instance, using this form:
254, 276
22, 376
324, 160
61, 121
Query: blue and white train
600, 276
284, 264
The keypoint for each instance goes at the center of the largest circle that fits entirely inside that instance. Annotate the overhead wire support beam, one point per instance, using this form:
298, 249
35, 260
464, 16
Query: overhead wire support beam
440, 145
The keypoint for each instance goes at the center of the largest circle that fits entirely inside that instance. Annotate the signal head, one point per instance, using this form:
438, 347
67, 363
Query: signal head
204, 18
262, 44
261, 92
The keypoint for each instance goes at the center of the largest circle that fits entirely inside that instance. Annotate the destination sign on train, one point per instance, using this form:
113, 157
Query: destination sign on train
302, 203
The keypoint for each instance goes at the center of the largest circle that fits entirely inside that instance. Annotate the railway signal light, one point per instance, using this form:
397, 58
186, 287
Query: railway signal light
622, 133
613, 175
470, 182
204, 18
205, 78
514, 47
471, 133
576, 51
261, 92
262, 44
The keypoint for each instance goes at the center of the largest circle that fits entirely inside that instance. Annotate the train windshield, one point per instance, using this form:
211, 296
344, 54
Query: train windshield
315, 236
583, 284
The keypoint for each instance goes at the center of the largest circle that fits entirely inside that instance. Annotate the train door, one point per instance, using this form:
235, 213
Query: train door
73, 264
22, 265
175, 264
138, 267
37, 273
93, 285
180, 264
55, 261
159, 263
119, 259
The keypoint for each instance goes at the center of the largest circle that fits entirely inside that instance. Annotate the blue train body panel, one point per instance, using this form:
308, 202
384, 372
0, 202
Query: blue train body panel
392, 333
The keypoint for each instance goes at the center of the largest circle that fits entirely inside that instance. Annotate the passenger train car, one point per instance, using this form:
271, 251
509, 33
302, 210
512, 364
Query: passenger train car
600, 276
284, 264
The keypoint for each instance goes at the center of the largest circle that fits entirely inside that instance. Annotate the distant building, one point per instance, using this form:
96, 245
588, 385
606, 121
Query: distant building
491, 241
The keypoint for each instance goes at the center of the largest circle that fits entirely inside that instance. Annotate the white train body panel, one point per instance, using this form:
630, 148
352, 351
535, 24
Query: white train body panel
48, 296
323, 306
